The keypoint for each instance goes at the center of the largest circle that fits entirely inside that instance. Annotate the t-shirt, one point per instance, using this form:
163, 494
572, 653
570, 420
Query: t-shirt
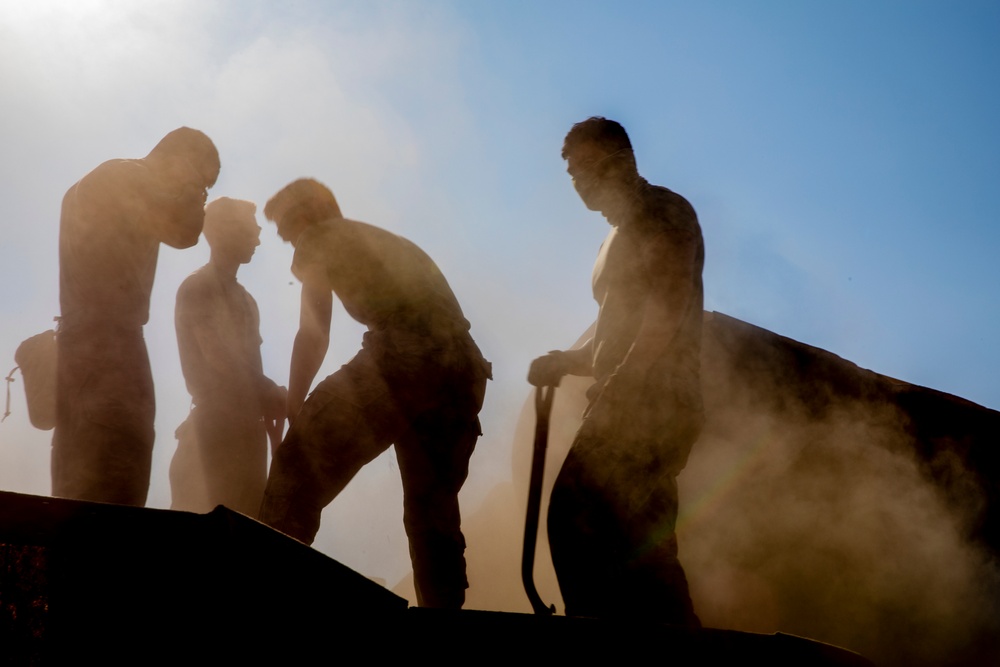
218, 335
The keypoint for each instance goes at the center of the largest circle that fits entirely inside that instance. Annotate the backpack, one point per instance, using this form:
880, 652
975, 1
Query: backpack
36, 357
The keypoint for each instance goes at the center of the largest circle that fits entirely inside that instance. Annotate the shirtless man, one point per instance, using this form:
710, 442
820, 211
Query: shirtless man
418, 383
221, 456
113, 222
614, 504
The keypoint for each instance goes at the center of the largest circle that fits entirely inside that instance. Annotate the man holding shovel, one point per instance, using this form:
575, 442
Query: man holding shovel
614, 505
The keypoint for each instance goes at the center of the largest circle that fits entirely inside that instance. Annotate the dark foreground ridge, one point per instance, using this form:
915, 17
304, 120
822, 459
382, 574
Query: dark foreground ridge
88, 582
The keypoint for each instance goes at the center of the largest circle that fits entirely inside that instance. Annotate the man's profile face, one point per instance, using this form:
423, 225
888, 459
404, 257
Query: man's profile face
245, 240
240, 239
181, 178
584, 165
179, 172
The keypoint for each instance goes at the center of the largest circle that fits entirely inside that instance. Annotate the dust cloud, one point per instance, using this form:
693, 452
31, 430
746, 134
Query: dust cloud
808, 507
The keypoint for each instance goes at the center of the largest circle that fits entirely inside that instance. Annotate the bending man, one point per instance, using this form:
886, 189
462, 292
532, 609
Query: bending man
418, 383
221, 456
113, 222
614, 504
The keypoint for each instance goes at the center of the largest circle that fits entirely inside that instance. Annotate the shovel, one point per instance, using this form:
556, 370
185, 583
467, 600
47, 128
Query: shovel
543, 409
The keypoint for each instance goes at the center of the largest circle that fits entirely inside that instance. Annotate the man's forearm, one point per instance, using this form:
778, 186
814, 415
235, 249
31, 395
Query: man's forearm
273, 399
548, 370
581, 360
311, 342
307, 356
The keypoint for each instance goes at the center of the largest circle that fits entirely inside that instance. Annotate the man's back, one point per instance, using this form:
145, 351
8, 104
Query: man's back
635, 262
107, 260
384, 280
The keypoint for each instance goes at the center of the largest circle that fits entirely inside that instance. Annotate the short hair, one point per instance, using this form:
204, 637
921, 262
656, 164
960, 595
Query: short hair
608, 135
224, 215
196, 147
306, 200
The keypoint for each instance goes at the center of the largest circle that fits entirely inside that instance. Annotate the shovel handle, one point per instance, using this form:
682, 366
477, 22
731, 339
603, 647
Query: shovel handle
543, 410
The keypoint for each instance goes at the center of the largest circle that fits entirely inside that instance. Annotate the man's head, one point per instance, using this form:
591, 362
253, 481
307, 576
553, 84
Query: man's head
186, 157
300, 205
600, 160
231, 228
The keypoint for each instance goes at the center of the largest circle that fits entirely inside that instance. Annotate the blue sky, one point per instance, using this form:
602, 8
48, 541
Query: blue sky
841, 157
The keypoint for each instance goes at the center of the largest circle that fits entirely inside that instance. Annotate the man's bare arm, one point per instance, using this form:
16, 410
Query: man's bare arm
548, 370
274, 399
275, 405
311, 342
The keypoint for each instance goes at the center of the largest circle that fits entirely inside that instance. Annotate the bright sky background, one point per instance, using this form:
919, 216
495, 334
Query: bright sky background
843, 158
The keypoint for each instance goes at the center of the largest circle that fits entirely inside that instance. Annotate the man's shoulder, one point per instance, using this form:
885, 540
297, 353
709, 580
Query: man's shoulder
313, 243
344, 240
659, 198
665, 210
348, 232
201, 284
316, 249
197, 277
115, 173
106, 188
326, 235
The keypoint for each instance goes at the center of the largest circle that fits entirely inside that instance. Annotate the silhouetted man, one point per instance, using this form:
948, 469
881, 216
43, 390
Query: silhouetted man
418, 383
614, 504
112, 224
221, 456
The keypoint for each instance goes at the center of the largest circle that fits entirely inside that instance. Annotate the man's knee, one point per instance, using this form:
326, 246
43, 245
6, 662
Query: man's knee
295, 517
